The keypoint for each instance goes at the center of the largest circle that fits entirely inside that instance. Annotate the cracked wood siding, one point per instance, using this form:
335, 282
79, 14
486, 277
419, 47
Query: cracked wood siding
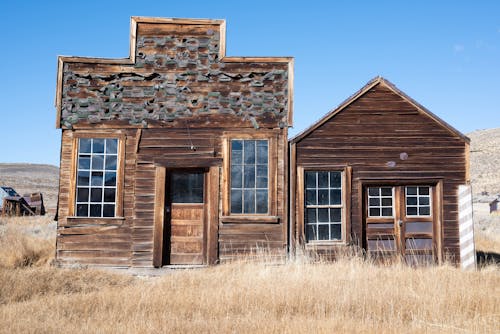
177, 73
369, 135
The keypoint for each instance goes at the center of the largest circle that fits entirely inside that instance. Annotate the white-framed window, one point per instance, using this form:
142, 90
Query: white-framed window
96, 177
418, 201
323, 205
380, 201
249, 176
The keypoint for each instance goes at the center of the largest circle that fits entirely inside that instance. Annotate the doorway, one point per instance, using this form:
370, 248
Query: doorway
185, 229
402, 221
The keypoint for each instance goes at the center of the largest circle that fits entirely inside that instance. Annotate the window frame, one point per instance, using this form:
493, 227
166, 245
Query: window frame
380, 206
270, 215
346, 172
418, 206
119, 172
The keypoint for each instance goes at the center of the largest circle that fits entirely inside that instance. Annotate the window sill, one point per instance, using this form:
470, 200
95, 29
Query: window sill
95, 218
250, 219
336, 243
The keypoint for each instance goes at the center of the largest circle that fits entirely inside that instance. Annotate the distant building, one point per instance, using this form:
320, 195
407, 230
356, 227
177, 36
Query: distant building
6, 191
494, 207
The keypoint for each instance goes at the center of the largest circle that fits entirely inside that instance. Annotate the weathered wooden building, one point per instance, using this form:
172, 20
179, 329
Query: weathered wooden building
380, 171
174, 155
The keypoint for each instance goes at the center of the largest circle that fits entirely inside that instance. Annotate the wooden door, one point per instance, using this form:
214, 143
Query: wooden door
400, 222
185, 213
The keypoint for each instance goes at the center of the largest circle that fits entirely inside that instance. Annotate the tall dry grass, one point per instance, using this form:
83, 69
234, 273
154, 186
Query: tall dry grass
350, 295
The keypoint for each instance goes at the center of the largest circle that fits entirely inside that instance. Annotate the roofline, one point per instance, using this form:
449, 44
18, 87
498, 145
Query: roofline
130, 60
372, 83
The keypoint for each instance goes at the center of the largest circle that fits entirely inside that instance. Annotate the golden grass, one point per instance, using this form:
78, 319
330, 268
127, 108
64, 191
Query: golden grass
350, 295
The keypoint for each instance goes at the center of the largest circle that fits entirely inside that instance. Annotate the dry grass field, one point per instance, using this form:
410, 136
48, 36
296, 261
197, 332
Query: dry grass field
351, 295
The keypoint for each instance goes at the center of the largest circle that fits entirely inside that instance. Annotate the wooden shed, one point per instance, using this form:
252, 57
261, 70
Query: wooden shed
380, 171
175, 155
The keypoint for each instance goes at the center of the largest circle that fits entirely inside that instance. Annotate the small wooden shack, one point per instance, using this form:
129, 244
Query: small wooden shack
380, 171
175, 155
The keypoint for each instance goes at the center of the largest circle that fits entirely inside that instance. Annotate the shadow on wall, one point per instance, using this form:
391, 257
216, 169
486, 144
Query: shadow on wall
484, 258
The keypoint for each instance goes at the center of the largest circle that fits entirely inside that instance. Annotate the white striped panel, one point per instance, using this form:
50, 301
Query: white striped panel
466, 228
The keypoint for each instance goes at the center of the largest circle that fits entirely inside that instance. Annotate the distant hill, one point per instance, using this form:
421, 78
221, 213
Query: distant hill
485, 161
29, 178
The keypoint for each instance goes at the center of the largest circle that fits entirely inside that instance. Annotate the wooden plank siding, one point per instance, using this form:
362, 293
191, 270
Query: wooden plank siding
381, 135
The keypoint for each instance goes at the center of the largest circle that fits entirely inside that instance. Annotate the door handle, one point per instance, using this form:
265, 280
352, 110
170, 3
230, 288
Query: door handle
167, 209
400, 223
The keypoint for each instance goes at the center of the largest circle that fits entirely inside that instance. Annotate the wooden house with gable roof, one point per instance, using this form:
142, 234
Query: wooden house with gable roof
380, 171
175, 155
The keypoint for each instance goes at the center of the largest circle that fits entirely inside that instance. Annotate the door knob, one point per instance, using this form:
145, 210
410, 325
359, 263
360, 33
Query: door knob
400, 223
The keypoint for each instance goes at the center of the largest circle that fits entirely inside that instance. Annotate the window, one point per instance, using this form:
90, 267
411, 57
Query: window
418, 201
249, 176
187, 187
96, 177
323, 205
380, 201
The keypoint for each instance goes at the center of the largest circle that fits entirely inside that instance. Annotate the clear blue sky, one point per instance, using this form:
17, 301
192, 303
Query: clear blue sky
444, 54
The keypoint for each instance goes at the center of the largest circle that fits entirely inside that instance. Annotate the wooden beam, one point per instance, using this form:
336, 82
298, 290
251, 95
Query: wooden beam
159, 215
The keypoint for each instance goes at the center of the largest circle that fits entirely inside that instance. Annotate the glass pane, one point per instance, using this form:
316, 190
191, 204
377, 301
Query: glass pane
335, 180
322, 179
411, 201
249, 201
249, 176
84, 147
386, 201
111, 146
374, 201
262, 201
336, 215
311, 179
236, 157
336, 232
95, 210
83, 178
84, 162
323, 197
323, 216
261, 182
96, 195
98, 146
386, 191
311, 197
387, 212
262, 151
236, 176
110, 179
108, 210
323, 232
82, 195
236, 204
111, 162
373, 191
187, 187
311, 233
82, 210
425, 244
423, 200
423, 190
236, 145
97, 178
419, 227
411, 190
262, 170
335, 197
310, 216
374, 212
424, 211
249, 151
411, 211
109, 194
97, 162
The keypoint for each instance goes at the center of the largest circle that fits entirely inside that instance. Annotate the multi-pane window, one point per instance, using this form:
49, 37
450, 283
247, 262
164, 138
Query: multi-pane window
418, 201
96, 177
249, 176
323, 205
380, 201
